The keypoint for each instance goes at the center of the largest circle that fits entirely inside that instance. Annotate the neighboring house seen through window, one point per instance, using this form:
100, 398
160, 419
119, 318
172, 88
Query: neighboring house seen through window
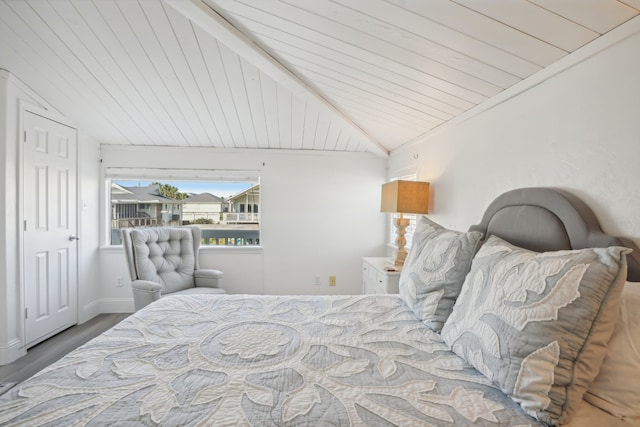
226, 211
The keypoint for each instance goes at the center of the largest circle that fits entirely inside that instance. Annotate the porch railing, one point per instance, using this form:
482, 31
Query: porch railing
134, 222
241, 218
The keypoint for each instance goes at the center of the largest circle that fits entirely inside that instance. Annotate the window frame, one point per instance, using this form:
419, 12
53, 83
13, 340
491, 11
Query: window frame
174, 175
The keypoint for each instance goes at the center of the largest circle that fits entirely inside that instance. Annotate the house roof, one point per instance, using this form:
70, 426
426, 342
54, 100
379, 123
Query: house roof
147, 194
118, 189
340, 75
252, 191
203, 198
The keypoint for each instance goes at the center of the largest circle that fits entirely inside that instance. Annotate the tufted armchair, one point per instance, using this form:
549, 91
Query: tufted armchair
165, 261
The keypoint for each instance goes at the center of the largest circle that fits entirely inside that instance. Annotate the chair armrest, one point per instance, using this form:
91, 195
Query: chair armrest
145, 292
208, 278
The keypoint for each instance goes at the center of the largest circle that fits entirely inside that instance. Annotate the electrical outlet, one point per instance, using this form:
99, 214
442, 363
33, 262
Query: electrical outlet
317, 280
119, 281
332, 280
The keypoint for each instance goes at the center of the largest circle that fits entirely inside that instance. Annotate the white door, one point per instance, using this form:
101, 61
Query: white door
50, 240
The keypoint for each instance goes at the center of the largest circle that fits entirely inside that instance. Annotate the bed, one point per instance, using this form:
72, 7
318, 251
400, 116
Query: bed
442, 352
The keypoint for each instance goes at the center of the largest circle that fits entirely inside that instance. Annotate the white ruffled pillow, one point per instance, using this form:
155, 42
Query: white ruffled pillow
616, 389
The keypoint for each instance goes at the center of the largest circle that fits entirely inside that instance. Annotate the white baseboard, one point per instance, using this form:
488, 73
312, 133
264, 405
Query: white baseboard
12, 351
89, 311
116, 305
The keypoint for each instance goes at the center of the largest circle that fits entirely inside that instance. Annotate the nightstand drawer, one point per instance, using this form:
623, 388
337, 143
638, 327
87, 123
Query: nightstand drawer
369, 279
386, 284
376, 280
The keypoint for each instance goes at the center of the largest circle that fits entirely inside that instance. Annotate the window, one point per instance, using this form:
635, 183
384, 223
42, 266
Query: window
210, 199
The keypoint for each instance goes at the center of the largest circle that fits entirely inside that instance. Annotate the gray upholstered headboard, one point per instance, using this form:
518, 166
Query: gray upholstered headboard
550, 219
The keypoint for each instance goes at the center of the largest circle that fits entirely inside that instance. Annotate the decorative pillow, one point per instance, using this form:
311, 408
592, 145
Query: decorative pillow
537, 324
616, 389
434, 271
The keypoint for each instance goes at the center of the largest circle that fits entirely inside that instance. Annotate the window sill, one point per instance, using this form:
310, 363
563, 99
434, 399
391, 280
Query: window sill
118, 249
231, 249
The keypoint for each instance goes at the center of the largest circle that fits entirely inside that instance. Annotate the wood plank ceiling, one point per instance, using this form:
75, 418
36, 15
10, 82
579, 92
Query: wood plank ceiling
337, 75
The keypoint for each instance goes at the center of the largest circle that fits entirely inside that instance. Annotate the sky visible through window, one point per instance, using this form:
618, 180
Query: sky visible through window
220, 189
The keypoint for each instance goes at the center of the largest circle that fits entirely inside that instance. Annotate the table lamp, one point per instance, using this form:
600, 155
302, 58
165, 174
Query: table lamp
404, 197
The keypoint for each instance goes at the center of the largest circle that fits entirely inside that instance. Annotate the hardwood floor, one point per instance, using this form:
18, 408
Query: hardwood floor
47, 352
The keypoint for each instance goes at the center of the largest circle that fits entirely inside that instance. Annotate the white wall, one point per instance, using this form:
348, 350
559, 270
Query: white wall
577, 129
89, 230
319, 213
8, 326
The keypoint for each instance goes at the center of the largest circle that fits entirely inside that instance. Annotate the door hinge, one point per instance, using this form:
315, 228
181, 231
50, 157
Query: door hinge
24, 136
25, 225
26, 313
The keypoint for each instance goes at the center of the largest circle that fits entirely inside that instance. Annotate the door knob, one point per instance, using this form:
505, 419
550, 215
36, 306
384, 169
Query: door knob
74, 237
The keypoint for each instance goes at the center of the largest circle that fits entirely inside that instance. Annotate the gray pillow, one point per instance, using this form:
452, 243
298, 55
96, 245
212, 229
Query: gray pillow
537, 324
435, 269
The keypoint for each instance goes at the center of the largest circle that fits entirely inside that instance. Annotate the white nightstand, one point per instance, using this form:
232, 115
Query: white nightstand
375, 279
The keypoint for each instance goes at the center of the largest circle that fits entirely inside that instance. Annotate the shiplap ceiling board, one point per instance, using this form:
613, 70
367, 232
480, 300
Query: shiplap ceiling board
337, 75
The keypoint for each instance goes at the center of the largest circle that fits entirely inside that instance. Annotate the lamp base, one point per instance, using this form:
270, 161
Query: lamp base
399, 257
400, 254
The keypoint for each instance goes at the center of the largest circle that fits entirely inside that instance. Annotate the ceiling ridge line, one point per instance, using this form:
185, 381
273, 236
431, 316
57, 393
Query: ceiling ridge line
211, 21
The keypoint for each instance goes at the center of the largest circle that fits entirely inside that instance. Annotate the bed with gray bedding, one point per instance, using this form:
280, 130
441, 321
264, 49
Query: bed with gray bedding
367, 360
263, 360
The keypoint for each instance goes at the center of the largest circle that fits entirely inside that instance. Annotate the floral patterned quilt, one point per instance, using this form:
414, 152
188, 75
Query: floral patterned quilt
263, 361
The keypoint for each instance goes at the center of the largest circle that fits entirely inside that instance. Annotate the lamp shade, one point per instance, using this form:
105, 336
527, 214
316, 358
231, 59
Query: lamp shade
405, 197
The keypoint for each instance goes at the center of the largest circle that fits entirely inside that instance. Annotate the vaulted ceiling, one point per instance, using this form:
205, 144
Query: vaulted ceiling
337, 75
